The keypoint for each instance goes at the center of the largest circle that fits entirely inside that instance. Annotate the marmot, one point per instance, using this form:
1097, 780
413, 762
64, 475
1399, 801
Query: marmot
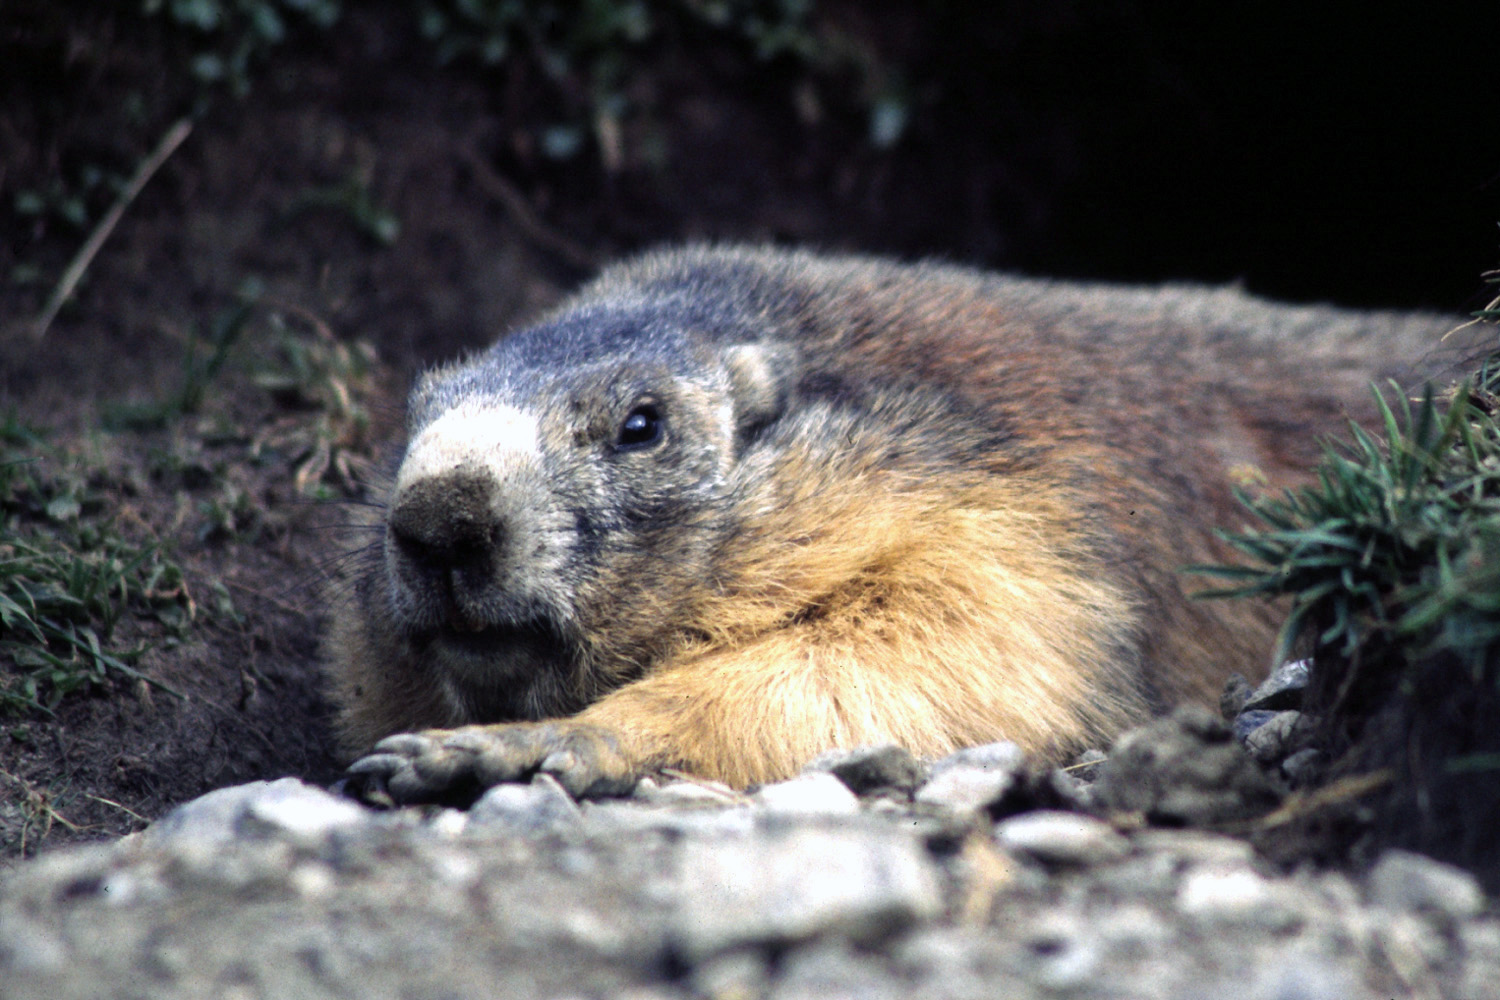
729, 508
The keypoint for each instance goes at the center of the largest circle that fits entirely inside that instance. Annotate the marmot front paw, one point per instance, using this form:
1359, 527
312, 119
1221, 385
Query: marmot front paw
441, 765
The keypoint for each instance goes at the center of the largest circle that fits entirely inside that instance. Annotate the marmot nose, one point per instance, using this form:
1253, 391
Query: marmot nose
448, 521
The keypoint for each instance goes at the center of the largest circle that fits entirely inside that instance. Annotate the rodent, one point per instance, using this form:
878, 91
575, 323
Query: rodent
729, 507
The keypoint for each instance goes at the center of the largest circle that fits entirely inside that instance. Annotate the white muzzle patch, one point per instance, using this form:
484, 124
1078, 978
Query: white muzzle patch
489, 435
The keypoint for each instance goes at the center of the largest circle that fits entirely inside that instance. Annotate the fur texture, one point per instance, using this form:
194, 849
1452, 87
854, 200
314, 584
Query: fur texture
729, 508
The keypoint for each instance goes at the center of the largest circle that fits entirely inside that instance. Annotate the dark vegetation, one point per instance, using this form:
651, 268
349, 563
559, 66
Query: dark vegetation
300, 202
1392, 563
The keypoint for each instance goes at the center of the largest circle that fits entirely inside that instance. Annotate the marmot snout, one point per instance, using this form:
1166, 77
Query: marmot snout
730, 508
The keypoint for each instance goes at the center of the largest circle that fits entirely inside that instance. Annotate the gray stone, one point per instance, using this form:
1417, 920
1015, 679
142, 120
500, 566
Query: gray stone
1248, 722
28, 946
1479, 943
1223, 892
542, 805
723, 897
1306, 977
1278, 737
770, 905
1237, 691
1086, 767
1282, 690
286, 807
1304, 767
687, 793
871, 769
1198, 847
1062, 788
812, 794
1066, 951
740, 973
625, 818
1402, 880
856, 882
832, 971
1183, 770
1062, 838
972, 780
1002, 755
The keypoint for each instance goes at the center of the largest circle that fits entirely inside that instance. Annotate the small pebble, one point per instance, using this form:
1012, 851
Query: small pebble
870, 769
1086, 767
1237, 691
815, 793
1248, 722
1280, 736
542, 805
972, 780
687, 793
1000, 756
1282, 690
287, 807
1222, 893
1305, 766
302, 812
1062, 838
1402, 880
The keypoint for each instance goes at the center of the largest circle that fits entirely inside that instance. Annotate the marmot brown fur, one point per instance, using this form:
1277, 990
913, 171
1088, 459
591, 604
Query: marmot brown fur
729, 508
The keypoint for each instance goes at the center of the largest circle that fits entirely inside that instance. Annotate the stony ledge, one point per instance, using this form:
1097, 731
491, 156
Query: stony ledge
871, 875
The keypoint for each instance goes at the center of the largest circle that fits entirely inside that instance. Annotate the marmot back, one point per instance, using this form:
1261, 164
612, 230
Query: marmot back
729, 508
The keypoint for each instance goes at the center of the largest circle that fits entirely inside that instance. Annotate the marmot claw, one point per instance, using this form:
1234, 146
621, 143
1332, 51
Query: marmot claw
447, 764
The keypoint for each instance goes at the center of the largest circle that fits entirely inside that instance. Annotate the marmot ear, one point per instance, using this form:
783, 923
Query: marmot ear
758, 379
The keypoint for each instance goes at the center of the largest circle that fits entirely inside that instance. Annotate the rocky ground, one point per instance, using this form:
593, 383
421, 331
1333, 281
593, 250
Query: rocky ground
871, 875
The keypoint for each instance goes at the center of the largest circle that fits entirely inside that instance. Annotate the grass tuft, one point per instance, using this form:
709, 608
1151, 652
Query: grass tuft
1391, 561
67, 580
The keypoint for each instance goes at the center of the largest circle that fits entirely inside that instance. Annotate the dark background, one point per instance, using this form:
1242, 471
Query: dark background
1333, 150
1320, 150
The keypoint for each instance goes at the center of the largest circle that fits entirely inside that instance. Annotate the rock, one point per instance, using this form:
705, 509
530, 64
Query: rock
1066, 951
1195, 847
811, 794
1237, 691
1223, 893
1248, 722
1402, 880
972, 780
871, 769
650, 898
1278, 737
1062, 838
860, 883
1282, 690
1479, 944
833, 969
1058, 788
30, 947
448, 822
1086, 767
541, 805
1304, 767
1305, 977
624, 818
687, 793
1183, 770
999, 756
286, 807
740, 973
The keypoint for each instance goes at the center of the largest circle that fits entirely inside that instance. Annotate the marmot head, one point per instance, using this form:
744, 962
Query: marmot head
562, 496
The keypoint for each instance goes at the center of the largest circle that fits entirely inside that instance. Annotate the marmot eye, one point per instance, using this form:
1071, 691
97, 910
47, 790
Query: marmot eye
642, 427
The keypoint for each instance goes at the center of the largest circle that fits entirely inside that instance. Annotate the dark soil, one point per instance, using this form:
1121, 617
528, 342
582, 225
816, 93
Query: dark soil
1046, 142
